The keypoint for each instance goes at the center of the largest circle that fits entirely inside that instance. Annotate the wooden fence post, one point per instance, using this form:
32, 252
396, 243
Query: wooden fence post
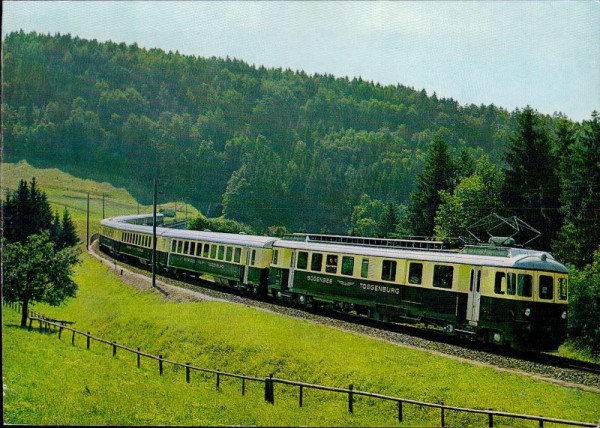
114, 345
160, 364
60, 332
30, 322
218, 379
300, 398
243, 386
73, 338
541, 423
88, 340
138, 357
442, 408
187, 372
400, 417
350, 399
490, 419
269, 393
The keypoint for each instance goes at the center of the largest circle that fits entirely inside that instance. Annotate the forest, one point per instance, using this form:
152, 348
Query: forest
282, 150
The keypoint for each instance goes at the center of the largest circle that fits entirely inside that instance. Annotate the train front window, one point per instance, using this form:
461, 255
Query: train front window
562, 288
442, 276
388, 270
524, 285
415, 273
302, 262
546, 287
316, 262
332, 262
347, 265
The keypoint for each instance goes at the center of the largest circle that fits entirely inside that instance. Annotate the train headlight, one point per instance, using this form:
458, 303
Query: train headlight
497, 338
564, 315
527, 312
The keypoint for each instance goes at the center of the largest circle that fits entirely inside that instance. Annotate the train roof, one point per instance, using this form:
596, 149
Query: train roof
508, 257
222, 238
125, 223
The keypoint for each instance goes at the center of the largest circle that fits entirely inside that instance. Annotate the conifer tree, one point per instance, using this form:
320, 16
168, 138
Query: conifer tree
531, 187
436, 176
68, 235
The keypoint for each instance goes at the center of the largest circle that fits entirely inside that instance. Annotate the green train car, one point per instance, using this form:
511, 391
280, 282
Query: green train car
505, 296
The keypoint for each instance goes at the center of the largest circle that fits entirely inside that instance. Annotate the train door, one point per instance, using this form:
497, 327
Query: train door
247, 267
474, 297
292, 268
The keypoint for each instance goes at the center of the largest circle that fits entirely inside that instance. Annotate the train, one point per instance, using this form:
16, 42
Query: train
500, 295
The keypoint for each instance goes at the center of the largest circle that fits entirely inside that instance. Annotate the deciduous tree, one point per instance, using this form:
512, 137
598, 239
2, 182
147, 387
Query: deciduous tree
34, 271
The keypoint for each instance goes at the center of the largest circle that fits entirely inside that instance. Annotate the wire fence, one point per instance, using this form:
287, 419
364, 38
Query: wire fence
49, 324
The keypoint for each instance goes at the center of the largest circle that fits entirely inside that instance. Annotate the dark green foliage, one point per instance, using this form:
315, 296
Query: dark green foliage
437, 176
208, 129
580, 179
474, 197
219, 225
584, 306
389, 221
68, 235
35, 271
26, 212
531, 186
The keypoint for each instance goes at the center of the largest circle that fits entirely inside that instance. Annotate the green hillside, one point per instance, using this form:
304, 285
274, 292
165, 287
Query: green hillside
293, 149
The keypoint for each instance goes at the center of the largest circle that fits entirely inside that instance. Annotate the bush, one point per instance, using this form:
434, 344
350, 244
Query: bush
584, 307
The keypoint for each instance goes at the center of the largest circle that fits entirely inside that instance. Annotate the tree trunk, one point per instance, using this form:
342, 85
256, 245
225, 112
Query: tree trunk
24, 313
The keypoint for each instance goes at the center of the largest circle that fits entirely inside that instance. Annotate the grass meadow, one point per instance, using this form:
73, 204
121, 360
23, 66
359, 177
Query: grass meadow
51, 382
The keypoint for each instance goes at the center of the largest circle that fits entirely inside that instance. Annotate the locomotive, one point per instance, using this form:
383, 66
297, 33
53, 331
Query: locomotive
501, 295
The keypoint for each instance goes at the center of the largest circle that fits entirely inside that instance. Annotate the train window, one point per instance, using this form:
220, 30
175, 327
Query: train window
237, 256
347, 265
179, 246
275, 256
316, 262
442, 276
511, 283
500, 283
186, 247
229, 254
364, 268
546, 287
562, 288
205, 250
332, 262
173, 244
198, 249
388, 270
415, 273
524, 285
213, 251
221, 255
302, 262
253, 257
192, 248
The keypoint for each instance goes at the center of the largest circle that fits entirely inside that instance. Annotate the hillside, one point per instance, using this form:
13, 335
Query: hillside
289, 148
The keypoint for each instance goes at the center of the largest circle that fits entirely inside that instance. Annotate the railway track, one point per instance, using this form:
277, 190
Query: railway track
554, 368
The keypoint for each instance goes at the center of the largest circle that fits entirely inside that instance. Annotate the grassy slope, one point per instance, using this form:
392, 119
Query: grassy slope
239, 339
